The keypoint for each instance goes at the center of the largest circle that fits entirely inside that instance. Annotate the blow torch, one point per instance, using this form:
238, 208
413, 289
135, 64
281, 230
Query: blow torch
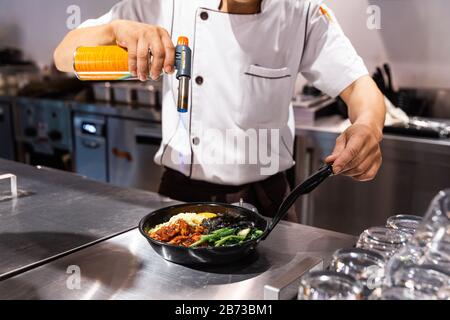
183, 56
110, 63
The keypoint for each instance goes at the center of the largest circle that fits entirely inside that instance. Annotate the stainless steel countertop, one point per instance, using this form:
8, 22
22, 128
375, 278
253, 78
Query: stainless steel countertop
64, 212
126, 267
336, 125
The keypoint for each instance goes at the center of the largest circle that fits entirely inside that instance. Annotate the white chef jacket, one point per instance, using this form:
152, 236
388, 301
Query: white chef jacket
244, 68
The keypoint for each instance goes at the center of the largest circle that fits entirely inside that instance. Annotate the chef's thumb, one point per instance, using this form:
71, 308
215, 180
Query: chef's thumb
338, 148
331, 158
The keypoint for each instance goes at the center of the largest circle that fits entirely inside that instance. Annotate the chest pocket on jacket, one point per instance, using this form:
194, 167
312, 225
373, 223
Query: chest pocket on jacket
266, 97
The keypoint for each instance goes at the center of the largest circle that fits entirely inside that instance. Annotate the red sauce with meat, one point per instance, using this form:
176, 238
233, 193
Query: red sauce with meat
178, 233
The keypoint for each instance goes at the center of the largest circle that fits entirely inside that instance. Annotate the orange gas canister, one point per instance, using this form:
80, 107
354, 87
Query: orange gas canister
102, 63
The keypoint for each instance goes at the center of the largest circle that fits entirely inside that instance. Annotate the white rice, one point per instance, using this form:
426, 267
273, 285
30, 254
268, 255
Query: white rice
191, 218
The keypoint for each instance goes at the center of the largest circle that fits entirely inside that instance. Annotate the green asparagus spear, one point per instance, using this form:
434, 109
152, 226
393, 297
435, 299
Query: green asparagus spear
230, 238
256, 234
214, 236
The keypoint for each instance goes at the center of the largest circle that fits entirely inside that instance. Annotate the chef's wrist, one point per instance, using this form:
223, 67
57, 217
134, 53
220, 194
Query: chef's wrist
376, 127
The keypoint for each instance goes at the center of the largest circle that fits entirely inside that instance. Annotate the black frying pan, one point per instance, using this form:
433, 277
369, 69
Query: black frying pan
226, 254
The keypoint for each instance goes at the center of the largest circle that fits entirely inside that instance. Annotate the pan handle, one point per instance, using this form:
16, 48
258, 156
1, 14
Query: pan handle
304, 188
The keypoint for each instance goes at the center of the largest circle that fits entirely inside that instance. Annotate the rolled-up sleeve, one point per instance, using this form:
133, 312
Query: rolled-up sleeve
329, 61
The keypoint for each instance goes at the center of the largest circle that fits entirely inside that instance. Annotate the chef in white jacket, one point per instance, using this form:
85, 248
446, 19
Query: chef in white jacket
236, 141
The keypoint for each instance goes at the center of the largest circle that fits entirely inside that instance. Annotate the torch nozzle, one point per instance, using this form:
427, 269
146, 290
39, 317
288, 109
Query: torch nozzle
183, 94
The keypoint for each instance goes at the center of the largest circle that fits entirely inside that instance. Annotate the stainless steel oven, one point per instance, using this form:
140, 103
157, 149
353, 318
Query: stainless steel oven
6, 130
90, 146
132, 147
43, 130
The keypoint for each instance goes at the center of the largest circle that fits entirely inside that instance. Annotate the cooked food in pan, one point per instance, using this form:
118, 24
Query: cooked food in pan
205, 229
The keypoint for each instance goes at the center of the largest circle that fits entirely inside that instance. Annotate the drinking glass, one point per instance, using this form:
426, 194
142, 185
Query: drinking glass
404, 222
398, 293
329, 285
433, 234
437, 251
367, 266
386, 241
444, 294
424, 278
406, 257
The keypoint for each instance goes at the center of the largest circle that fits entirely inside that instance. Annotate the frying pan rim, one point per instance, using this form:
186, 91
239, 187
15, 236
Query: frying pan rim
218, 204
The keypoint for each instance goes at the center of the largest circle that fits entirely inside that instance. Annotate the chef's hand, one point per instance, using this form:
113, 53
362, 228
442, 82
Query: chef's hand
357, 153
139, 38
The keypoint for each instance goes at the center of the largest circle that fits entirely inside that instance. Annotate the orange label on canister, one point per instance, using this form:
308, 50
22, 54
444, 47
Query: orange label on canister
107, 63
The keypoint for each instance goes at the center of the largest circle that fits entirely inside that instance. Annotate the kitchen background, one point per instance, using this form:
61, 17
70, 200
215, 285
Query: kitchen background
74, 128
413, 35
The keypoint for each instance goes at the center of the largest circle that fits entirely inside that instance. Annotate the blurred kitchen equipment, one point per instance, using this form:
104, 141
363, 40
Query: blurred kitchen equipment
15, 72
440, 102
132, 146
384, 80
407, 100
243, 204
402, 110
7, 150
149, 95
128, 93
103, 92
407, 109
11, 56
60, 88
420, 128
124, 93
42, 121
311, 104
379, 79
388, 71
310, 91
43, 130
90, 146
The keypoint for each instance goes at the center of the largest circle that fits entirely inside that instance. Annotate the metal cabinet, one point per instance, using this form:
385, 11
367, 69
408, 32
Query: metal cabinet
6, 130
131, 150
45, 124
90, 146
43, 130
413, 171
